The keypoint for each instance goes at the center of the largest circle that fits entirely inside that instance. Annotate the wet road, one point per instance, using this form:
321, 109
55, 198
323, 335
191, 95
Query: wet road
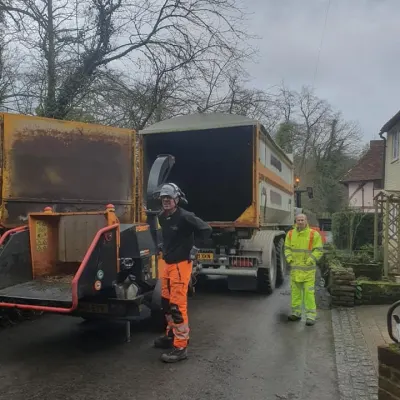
241, 348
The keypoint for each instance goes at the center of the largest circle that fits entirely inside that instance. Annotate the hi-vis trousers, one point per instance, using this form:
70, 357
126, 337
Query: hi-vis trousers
175, 282
303, 294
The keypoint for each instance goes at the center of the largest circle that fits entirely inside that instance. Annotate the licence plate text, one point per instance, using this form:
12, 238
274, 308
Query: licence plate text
205, 256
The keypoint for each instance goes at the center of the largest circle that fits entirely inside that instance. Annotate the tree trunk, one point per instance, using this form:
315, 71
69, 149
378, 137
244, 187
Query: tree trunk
50, 103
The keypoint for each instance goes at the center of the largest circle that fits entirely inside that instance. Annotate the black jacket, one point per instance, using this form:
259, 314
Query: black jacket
179, 231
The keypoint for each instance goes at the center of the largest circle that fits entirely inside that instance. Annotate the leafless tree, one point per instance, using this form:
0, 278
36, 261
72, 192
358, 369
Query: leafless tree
70, 42
324, 144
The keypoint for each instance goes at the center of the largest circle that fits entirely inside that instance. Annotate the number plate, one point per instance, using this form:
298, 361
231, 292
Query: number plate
94, 308
205, 256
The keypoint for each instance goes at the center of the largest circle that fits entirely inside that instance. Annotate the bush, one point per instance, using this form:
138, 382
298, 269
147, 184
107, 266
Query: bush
353, 230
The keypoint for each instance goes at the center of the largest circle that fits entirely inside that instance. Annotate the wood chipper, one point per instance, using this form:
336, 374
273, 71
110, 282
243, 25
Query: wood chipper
85, 264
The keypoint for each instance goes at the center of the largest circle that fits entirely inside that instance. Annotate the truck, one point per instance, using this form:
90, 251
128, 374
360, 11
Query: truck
74, 241
238, 180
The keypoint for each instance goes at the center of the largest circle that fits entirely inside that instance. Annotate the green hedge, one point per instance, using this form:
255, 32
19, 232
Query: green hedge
354, 227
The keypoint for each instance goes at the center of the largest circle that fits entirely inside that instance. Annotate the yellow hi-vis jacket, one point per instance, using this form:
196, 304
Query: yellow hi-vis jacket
302, 251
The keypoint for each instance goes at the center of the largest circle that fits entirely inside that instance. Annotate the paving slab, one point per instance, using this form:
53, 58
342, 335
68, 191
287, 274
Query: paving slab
357, 374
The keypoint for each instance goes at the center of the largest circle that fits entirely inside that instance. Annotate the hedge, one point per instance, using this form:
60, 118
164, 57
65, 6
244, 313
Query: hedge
359, 226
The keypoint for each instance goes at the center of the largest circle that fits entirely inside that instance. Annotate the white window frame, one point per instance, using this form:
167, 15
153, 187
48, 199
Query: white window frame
395, 145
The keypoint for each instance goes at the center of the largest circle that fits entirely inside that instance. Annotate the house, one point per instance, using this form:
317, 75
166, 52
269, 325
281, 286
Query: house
365, 179
388, 200
392, 160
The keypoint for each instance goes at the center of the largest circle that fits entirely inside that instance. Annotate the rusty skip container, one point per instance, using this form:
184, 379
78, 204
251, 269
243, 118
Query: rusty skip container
70, 166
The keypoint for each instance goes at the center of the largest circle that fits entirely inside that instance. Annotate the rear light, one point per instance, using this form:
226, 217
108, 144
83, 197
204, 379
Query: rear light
242, 262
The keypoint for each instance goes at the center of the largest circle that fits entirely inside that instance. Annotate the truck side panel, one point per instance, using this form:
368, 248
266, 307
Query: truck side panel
213, 167
275, 187
70, 166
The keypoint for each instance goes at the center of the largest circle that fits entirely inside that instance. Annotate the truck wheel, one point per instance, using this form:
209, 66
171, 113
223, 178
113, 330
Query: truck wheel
280, 262
266, 277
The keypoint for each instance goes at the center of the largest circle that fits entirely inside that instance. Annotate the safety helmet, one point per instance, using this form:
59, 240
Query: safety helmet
173, 191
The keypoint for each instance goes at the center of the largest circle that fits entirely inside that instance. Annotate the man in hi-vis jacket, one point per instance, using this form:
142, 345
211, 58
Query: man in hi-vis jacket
303, 248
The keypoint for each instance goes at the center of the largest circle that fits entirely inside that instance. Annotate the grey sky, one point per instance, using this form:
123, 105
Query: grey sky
360, 55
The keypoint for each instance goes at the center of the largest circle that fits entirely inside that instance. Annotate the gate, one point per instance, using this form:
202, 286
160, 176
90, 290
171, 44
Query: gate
387, 204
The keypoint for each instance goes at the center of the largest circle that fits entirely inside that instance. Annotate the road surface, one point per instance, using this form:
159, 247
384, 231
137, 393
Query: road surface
241, 347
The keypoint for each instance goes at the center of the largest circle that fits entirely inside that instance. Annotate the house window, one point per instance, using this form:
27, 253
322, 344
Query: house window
395, 146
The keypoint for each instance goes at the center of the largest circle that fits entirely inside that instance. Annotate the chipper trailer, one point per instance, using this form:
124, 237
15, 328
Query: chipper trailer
85, 264
74, 241
238, 180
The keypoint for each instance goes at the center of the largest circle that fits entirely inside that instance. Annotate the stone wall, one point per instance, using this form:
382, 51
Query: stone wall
370, 292
389, 372
342, 286
371, 271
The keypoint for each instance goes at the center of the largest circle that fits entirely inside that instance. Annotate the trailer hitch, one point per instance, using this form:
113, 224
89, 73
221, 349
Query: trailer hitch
390, 317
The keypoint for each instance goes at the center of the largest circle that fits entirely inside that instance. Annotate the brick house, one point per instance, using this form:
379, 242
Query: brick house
365, 179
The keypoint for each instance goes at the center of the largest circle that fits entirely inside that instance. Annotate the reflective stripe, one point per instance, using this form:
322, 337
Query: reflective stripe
181, 331
301, 251
313, 257
310, 243
302, 268
296, 311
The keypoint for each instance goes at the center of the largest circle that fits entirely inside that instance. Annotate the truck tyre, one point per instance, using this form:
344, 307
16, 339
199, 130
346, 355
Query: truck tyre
280, 262
266, 277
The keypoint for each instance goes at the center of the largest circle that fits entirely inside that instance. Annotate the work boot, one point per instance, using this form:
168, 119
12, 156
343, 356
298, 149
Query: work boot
177, 354
294, 318
163, 342
310, 322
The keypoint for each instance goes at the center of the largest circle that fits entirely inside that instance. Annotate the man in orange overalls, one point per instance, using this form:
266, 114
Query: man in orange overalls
179, 229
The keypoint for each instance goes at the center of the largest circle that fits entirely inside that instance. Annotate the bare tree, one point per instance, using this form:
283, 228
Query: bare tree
323, 143
70, 42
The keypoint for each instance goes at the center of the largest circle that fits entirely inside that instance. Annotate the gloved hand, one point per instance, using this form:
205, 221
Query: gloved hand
289, 261
193, 253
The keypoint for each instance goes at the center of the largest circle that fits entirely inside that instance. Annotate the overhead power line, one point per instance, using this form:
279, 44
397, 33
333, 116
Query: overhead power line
321, 43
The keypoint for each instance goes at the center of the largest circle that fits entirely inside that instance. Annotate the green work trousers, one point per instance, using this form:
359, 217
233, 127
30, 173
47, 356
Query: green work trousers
303, 295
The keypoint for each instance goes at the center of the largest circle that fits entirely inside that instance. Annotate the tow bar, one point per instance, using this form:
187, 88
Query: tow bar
390, 317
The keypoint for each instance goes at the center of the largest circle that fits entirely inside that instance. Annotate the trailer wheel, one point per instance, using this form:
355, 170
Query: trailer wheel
266, 277
280, 262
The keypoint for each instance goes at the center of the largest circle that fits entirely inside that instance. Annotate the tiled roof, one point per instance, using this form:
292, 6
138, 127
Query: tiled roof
370, 166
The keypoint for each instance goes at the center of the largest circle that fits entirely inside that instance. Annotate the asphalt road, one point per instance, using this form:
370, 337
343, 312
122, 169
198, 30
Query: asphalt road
241, 347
